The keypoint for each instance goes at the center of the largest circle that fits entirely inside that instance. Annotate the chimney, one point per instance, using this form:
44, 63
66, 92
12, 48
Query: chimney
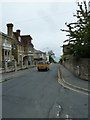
18, 32
10, 29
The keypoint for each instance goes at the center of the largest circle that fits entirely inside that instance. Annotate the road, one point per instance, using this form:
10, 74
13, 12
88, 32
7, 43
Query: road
33, 94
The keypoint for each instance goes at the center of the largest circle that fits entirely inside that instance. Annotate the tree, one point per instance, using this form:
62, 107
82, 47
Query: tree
79, 33
51, 53
51, 56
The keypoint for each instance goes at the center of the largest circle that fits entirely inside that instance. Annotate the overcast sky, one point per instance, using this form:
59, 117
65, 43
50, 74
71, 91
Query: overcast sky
42, 20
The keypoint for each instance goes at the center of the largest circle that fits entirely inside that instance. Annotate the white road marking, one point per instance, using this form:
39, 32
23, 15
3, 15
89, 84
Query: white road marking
67, 116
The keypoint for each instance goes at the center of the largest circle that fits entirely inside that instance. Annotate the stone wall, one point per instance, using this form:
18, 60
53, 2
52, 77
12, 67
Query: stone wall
80, 68
13, 66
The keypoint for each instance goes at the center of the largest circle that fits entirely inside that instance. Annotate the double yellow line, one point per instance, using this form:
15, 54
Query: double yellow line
61, 82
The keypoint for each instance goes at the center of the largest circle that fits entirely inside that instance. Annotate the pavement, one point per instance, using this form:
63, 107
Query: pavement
12, 74
67, 79
33, 94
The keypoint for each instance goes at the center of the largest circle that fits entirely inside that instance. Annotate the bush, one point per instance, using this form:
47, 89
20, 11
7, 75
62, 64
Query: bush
9, 64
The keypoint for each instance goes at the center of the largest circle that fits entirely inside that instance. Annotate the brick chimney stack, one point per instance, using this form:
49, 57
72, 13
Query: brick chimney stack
10, 29
18, 32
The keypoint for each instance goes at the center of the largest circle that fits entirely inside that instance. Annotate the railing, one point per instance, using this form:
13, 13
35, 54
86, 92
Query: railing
2, 64
14, 66
28, 52
6, 46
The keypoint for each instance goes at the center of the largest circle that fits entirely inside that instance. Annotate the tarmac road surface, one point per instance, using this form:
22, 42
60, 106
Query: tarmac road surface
33, 94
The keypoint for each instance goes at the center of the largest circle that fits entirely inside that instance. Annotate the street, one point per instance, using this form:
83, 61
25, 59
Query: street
33, 94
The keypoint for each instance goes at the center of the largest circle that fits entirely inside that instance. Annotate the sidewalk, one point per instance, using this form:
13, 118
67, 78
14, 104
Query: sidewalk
71, 79
12, 74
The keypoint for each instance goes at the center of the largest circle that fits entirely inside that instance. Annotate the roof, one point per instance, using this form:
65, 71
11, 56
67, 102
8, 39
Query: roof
26, 40
32, 45
26, 36
3, 34
38, 51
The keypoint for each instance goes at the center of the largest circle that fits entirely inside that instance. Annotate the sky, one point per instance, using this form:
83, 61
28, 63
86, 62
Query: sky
42, 19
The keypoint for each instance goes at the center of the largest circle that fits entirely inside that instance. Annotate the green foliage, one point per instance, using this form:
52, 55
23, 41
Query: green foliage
51, 56
61, 59
79, 33
9, 64
51, 59
51, 53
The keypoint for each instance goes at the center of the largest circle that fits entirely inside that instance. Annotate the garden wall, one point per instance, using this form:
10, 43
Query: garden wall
80, 68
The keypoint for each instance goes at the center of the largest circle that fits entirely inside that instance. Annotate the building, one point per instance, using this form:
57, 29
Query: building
65, 51
14, 46
39, 55
0, 47
6, 41
28, 48
18, 52
24, 47
65, 47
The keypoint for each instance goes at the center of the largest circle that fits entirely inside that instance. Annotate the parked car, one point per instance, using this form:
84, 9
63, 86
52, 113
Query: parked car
43, 65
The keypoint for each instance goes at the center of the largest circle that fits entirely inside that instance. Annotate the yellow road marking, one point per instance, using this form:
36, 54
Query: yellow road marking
61, 83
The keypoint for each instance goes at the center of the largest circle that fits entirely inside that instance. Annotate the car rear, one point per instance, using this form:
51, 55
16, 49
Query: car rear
43, 66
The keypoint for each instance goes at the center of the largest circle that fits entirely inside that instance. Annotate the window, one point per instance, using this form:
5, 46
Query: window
30, 49
5, 40
19, 38
9, 55
30, 58
5, 55
14, 47
22, 48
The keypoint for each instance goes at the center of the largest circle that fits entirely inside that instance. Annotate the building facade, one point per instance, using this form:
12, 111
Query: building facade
6, 47
0, 46
14, 46
28, 48
17, 47
39, 56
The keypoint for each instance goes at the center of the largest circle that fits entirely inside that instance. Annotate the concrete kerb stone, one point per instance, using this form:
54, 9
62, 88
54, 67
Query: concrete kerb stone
5, 79
74, 86
13, 76
64, 83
